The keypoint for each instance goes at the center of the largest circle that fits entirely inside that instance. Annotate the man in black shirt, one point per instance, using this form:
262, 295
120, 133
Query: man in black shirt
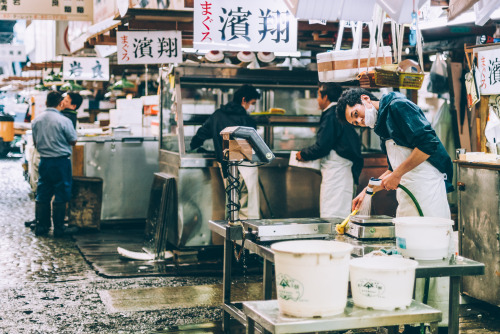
235, 113
339, 148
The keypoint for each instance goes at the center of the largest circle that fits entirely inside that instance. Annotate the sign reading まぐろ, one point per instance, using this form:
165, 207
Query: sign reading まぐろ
149, 47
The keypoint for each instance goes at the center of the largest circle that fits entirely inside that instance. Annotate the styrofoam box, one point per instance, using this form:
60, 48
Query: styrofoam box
350, 73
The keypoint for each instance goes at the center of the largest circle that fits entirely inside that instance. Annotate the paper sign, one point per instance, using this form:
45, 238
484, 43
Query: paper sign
149, 47
62, 10
489, 72
242, 25
12, 53
313, 164
86, 68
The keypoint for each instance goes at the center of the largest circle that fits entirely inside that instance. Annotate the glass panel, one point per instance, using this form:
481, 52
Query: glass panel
293, 138
295, 101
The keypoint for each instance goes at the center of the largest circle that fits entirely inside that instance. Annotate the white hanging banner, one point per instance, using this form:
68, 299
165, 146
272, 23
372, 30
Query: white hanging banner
61, 10
12, 53
489, 71
86, 68
243, 25
149, 47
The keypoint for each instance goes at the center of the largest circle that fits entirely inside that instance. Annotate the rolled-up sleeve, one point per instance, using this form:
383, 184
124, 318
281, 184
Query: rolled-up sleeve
408, 122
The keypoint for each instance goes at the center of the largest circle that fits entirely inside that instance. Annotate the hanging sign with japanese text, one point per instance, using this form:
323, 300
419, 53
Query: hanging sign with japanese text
149, 47
243, 25
12, 53
61, 10
488, 63
86, 68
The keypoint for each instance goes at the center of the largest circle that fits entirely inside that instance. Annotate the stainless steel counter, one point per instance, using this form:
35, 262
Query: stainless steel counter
454, 268
266, 314
479, 226
127, 166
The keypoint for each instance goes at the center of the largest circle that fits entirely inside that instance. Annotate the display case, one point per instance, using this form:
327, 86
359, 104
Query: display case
190, 96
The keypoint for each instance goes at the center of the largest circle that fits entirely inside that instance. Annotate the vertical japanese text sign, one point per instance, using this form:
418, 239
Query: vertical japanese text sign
86, 68
244, 25
489, 71
149, 47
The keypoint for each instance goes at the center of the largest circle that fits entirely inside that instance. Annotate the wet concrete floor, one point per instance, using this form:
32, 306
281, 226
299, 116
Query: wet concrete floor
47, 287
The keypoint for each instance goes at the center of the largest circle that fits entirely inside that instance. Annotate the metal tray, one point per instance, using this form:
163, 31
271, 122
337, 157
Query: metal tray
372, 220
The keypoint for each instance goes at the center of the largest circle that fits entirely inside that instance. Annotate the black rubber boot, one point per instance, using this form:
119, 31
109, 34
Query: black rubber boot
58, 215
42, 213
29, 223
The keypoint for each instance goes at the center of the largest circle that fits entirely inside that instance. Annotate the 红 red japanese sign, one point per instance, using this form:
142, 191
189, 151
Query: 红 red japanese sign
243, 25
62, 10
149, 47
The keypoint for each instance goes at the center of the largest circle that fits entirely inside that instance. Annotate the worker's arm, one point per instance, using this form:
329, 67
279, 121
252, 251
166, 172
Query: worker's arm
392, 180
72, 143
356, 203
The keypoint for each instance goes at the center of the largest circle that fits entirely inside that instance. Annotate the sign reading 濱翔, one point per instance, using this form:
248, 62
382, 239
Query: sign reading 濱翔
149, 47
62, 10
488, 76
243, 25
86, 68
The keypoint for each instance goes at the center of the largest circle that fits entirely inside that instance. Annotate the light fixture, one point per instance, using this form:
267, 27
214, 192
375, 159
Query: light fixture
266, 57
214, 56
245, 56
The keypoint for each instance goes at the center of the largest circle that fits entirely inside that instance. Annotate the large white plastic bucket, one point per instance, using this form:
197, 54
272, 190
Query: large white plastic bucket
423, 238
311, 277
382, 282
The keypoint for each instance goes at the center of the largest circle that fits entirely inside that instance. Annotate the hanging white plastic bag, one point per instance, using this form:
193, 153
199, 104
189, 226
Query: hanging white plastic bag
438, 82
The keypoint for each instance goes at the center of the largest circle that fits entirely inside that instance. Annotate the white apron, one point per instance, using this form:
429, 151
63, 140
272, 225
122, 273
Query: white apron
250, 201
426, 183
336, 186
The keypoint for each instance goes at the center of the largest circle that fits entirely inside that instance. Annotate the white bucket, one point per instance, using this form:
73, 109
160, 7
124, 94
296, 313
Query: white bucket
382, 282
311, 277
423, 238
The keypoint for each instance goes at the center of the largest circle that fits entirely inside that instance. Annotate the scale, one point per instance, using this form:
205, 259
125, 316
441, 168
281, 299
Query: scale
289, 229
371, 227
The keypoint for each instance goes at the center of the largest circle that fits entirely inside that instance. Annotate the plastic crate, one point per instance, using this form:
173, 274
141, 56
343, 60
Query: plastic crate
398, 79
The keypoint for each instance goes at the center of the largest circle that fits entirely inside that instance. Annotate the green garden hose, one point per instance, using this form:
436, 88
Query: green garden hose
419, 209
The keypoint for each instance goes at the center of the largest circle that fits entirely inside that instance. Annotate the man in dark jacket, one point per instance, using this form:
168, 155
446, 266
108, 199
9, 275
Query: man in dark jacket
235, 113
339, 148
417, 160
72, 101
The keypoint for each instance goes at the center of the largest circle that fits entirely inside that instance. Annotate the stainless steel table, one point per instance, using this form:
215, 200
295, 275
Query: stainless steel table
453, 268
267, 315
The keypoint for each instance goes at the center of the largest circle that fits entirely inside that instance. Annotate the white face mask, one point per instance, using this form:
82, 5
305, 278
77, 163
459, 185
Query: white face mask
370, 115
251, 108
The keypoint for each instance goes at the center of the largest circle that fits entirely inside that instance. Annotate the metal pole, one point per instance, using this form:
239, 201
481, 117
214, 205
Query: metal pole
146, 85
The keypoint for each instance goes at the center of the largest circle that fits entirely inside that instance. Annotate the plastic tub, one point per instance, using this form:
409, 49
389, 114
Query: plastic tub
382, 282
311, 277
423, 238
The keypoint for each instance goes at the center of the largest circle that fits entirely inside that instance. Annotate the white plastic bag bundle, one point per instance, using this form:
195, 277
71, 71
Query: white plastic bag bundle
438, 82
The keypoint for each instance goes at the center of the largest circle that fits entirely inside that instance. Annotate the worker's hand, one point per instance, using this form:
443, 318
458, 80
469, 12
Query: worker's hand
356, 203
299, 157
391, 181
